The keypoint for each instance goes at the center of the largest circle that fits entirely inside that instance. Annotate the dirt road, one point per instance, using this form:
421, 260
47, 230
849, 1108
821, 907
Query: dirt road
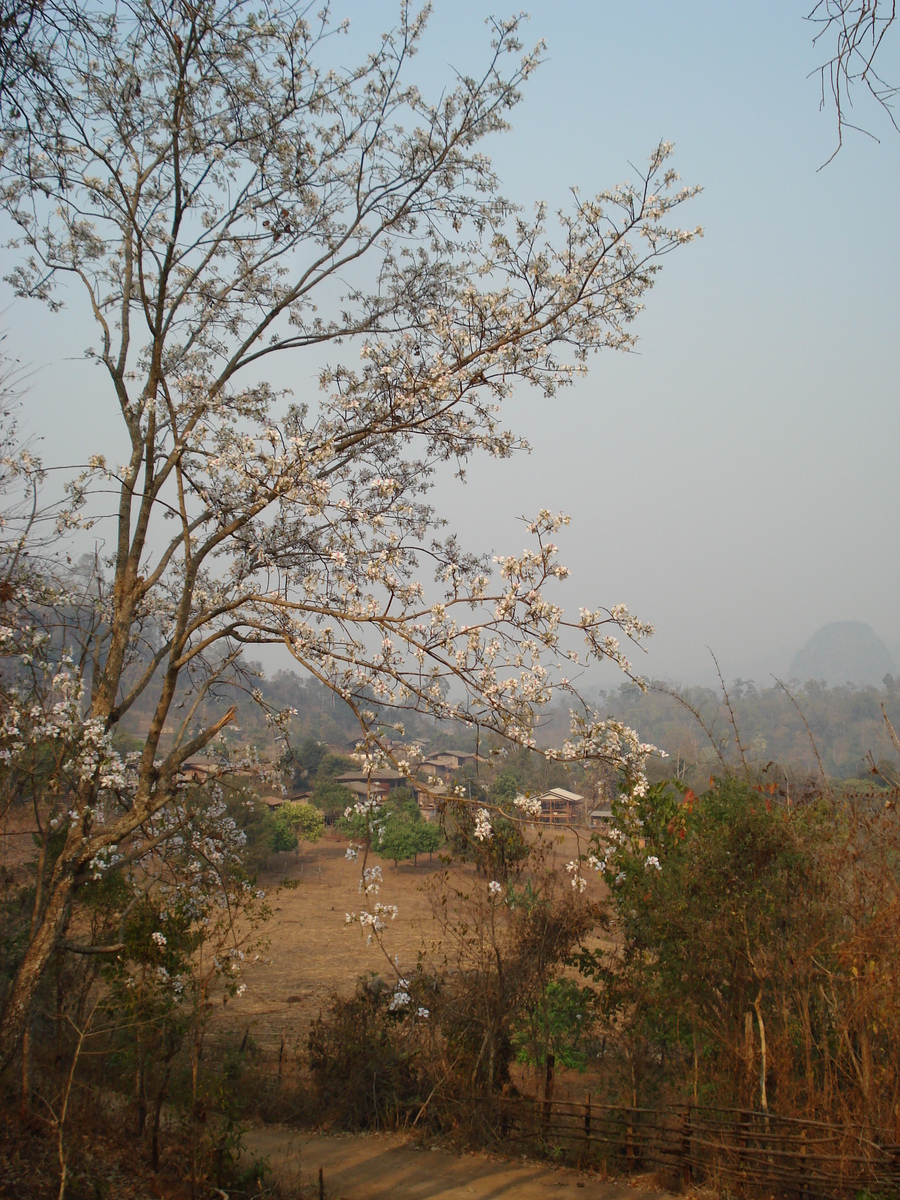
390, 1167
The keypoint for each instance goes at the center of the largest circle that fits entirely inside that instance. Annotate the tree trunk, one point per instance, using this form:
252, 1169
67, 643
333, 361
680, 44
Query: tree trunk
21, 993
25, 1109
157, 1115
763, 1096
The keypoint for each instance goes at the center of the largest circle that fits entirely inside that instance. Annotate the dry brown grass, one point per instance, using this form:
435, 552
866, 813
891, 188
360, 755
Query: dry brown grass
313, 952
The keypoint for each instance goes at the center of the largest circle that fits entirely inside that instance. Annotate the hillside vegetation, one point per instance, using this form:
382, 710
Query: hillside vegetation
794, 728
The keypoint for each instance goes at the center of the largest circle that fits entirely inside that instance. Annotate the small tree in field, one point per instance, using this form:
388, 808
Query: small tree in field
501, 948
404, 835
296, 823
215, 197
331, 799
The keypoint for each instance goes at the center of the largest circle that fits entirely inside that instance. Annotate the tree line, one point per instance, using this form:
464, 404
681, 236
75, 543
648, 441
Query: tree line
801, 727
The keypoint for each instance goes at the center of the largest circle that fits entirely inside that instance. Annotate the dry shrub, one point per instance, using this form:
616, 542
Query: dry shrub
370, 1055
757, 966
436, 1048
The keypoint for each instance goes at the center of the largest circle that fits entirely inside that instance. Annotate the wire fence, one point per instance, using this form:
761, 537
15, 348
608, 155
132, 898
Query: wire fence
740, 1148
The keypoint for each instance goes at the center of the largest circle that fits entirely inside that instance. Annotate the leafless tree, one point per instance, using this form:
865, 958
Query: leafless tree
855, 34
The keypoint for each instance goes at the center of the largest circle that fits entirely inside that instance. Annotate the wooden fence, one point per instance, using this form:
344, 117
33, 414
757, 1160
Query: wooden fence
742, 1149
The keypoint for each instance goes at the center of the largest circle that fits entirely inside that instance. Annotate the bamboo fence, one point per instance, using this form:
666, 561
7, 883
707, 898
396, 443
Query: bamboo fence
740, 1148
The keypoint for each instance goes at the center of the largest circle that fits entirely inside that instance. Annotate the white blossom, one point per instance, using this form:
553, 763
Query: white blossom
529, 805
483, 831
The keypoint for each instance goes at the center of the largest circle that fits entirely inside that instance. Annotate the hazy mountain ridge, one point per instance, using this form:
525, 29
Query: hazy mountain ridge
844, 652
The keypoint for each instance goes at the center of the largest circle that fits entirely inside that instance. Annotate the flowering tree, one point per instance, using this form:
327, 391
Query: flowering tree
216, 197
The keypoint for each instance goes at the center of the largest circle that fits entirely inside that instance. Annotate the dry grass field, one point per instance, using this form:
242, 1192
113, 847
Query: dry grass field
312, 952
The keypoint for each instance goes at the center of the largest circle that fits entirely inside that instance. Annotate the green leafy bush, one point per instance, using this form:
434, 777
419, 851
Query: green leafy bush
295, 823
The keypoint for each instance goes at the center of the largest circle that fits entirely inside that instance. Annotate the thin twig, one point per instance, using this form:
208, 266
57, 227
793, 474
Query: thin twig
82, 1034
731, 716
809, 733
695, 713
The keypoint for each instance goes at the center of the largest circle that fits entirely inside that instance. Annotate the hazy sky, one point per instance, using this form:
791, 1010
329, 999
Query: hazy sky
734, 480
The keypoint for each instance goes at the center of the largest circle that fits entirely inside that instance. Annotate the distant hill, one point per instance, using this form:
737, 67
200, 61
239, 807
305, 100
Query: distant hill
844, 652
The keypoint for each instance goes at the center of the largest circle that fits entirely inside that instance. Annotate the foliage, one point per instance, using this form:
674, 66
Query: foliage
366, 1053
434, 1047
505, 786
253, 820
786, 733
147, 962
402, 802
561, 1024
295, 823
497, 856
308, 759
331, 799
501, 947
751, 961
706, 898
405, 837
392, 828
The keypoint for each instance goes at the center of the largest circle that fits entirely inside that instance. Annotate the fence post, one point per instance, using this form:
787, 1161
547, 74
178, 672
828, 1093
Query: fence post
629, 1138
687, 1175
548, 1095
804, 1178
587, 1117
742, 1144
